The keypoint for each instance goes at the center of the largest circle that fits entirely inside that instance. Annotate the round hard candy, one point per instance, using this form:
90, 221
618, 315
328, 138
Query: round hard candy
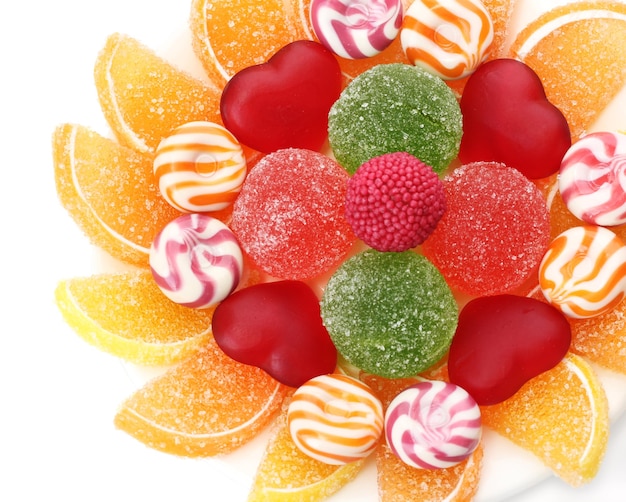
433, 425
449, 38
592, 178
356, 29
196, 260
200, 167
583, 272
335, 419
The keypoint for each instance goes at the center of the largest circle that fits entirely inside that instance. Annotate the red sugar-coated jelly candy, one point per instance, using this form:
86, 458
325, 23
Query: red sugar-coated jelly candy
503, 341
289, 216
494, 232
284, 102
507, 118
276, 326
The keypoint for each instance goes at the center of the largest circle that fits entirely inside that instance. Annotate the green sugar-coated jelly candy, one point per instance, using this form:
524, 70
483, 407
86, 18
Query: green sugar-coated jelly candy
395, 108
390, 314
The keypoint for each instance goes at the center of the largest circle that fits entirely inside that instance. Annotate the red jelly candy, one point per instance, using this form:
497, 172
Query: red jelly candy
284, 102
276, 326
507, 118
503, 341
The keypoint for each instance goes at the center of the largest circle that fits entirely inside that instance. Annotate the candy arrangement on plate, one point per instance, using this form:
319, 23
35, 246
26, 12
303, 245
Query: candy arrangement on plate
376, 232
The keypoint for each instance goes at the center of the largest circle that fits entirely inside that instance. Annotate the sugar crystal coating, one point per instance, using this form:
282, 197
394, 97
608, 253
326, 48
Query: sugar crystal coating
394, 202
494, 231
389, 314
395, 108
289, 216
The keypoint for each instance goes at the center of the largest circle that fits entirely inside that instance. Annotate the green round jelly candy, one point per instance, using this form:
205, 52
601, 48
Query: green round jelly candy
395, 108
389, 314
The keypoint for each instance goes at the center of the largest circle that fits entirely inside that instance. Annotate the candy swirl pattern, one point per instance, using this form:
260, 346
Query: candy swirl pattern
592, 178
335, 419
200, 167
583, 272
356, 29
448, 38
433, 425
196, 261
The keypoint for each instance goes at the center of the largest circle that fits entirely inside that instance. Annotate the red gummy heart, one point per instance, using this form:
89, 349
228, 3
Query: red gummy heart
284, 102
507, 118
503, 341
277, 327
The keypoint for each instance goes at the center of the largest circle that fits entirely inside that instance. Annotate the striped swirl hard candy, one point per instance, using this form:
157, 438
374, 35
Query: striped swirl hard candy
592, 178
196, 261
448, 38
356, 29
335, 419
433, 425
200, 167
583, 272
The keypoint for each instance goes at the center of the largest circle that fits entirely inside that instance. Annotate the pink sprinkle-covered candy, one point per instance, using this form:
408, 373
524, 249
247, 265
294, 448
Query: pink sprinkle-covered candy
196, 261
394, 202
356, 29
592, 178
433, 425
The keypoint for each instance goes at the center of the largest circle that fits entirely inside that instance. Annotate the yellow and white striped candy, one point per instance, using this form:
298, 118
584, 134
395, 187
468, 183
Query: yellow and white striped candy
335, 419
200, 167
448, 38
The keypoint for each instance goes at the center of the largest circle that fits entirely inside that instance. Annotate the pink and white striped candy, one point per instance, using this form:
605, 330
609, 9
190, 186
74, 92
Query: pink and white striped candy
448, 38
592, 178
196, 261
583, 272
335, 419
200, 167
356, 29
433, 425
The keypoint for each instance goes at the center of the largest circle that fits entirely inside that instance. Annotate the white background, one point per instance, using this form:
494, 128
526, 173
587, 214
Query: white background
59, 395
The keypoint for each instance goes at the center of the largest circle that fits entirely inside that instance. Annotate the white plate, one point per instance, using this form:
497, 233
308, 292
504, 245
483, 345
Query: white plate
59, 394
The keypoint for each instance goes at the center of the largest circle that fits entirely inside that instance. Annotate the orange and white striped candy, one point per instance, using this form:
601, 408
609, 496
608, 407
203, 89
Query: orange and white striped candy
200, 167
335, 419
583, 272
448, 38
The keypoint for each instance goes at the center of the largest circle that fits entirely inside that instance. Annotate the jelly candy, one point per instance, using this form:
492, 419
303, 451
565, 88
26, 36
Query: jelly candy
277, 327
507, 118
284, 102
503, 341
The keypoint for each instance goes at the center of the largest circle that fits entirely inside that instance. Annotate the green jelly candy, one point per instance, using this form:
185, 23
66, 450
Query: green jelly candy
390, 314
395, 108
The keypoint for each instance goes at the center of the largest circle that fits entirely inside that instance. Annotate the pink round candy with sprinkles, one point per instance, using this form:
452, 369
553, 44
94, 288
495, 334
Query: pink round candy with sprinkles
199, 167
356, 29
592, 178
433, 425
196, 261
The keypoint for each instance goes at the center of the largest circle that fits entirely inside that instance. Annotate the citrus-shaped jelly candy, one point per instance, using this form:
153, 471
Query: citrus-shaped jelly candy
390, 314
335, 419
494, 232
199, 167
433, 425
592, 178
356, 29
395, 108
196, 260
289, 216
583, 272
449, 38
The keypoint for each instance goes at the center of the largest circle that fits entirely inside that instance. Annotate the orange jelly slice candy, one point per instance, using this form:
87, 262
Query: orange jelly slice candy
208, 404
578, 52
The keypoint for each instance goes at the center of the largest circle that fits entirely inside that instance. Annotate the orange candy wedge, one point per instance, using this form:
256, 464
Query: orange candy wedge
206, 405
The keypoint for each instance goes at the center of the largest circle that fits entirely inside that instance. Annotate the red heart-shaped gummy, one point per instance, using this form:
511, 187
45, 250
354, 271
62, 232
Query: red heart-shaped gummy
283, 103
277, 327
503, 341
507, 118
